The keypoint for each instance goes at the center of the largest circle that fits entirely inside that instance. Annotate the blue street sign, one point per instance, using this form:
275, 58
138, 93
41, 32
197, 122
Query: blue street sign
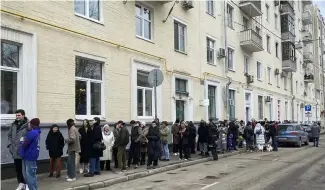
308, 108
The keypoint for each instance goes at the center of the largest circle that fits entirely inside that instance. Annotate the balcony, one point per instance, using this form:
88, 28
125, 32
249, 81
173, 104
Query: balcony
308, 78
307, 2
288, 36
286, 7
251, 8
289, 65
251, 41
308, 57
306, 16
307, 36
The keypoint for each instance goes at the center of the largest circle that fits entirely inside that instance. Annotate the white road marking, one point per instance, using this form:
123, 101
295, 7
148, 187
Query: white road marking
276, 159
212, 184
199, 184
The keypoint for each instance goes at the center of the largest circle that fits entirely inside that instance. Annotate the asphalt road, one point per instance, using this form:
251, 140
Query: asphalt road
289, 169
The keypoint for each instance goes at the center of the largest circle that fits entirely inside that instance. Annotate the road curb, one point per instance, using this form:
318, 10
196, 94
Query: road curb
133, 176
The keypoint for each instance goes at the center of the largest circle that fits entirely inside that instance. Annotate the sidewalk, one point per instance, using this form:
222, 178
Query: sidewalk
108, 178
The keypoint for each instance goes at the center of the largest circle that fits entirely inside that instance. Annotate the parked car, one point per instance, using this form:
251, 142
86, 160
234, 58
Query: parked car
307, 128
292, 133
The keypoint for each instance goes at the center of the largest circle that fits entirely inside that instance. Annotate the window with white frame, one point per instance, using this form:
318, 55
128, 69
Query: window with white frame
246, 64
270, 105
277, 49
88, 87
260, 107
179, 36
232, 104
231, 59
9, 76
276, 21
210, 7
267, 12
88, 8
230, 11
285, 82
210, 51
144, 95
277, 81
259, 71
143, 22
212, 108
269, 75
181, 86
268, 48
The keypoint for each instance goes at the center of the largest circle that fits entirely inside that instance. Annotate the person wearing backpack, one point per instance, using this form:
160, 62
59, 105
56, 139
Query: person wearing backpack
259, 131
122, 139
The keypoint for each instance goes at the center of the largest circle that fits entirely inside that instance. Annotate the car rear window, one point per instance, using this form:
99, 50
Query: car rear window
286, 128
306, 126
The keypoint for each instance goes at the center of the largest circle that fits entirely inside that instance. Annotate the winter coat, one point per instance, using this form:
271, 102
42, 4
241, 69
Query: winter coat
315, 130
84, 145
249, 133
154, 147
192, 134
143, 139
95, 136
234, 129
164, 134
272, 130
175, 130
213, 133
260, 139
203, 133
184, 136
109, 143
115, 133
135, 133
54, 144
29, 149
73, 140
123, 137
16, 131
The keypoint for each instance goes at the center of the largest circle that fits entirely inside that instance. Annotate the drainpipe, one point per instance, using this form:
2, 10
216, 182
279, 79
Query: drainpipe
226, 58
292, 101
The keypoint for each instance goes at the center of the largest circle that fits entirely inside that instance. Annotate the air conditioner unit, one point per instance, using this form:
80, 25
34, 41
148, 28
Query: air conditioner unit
250, 79
231, 102
276, 2
283, 74
268, 99
221, 53
187, 4
276, 71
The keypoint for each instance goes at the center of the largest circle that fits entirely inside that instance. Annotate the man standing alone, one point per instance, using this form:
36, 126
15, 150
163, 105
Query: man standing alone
315, 130
17, 131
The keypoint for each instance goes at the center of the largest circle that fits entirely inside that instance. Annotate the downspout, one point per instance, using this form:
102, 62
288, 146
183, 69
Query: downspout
292, 100
226, 58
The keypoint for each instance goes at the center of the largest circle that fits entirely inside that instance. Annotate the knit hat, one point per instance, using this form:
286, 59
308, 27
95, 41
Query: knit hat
143, 123
35, 122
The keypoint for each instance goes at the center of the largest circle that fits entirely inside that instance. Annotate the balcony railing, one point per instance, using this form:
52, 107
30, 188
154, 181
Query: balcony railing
307, 17
251, 40
286, 7
289, 65
307, 35
309, 77
252, 8
308, 57
307, 2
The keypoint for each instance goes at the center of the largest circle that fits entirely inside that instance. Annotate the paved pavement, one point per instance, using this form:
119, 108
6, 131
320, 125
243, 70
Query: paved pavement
109, 177
289, 169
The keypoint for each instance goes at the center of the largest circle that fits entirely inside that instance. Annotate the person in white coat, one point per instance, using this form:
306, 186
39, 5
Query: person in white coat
108, 139
259, 131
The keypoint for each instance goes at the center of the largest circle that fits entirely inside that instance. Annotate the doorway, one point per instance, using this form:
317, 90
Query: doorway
180, 110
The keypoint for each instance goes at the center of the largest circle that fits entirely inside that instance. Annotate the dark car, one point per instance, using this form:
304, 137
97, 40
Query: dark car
292, 133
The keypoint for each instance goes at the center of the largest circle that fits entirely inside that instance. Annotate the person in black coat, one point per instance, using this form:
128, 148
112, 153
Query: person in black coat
54, 144
203, 138
85, 147
95, 137
184, 133
192, 137
249, 136
213, 136
154, 147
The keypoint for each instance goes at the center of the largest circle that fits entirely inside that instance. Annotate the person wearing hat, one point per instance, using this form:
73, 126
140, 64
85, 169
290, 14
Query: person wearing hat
154, 147
134, 152
29, 152
122, 139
